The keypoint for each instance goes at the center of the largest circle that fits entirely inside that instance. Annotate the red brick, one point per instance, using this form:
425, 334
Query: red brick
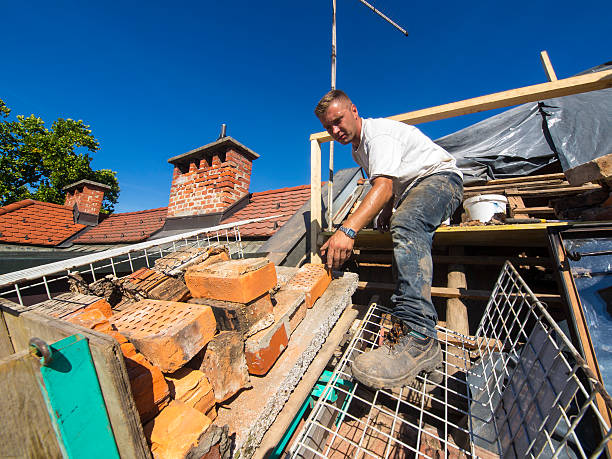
157, 285
176, 432
93, 319
66, 304
263, 348
290, 305
193, 388
239, 281
149, 388
312, 279
224, 364
168, 333
246, 318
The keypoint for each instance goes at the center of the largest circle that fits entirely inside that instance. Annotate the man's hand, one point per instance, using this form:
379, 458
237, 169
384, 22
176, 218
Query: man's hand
338, 249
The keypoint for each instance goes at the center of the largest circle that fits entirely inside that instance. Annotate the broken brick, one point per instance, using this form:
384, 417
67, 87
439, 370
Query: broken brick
312, 279
157, 286
168, 333
192, 388
70, 303
239, 281
93, 319
263, 348
184, 257
246, 318
149, 388
176, 432
223, 362
290, 304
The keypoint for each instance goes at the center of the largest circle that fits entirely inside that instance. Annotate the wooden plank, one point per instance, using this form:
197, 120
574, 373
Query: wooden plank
112, 375
534, 210
556, 191
527, 178
548, 68
315, 200
515, 203
6, 347
487, 260
559, 88
501, 187
27, 429
447, 292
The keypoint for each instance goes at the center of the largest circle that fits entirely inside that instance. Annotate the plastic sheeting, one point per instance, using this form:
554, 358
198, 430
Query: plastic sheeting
593, 278
523, 140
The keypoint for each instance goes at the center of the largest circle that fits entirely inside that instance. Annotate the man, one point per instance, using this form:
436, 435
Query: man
419, 179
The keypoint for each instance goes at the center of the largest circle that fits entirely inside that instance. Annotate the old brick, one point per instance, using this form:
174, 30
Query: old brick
192, 388
240, 281
149, 388
187, 256
169, 334
176, 432
224, 364
93, 319
291, 306
312, 279
156, 285
70, 303
263, 348
246, 318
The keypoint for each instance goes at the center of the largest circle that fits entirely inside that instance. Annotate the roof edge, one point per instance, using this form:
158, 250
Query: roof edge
226, 141
16, 205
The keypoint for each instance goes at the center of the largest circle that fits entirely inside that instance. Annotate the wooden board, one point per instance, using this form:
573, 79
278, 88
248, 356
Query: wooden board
27, 429
316, 221
559, 88
110, 368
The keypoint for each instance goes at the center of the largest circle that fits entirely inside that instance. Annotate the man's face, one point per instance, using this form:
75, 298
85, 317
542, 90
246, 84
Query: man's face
341, 121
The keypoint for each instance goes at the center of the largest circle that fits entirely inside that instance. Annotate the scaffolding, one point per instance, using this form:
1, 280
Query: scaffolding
517, 388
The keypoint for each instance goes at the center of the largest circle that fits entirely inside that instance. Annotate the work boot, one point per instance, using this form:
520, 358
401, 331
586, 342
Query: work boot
402, 356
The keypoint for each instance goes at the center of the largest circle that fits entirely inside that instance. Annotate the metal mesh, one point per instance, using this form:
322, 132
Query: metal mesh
53, 277
518, 388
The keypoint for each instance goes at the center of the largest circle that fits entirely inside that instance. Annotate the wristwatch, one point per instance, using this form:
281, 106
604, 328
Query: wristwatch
349, 232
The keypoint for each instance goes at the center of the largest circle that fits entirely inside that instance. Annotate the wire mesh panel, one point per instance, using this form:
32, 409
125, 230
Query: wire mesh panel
43, 282
518, 388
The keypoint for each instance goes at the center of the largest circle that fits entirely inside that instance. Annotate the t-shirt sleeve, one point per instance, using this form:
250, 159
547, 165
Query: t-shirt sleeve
384, 156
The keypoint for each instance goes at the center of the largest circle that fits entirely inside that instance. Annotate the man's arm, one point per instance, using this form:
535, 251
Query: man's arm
339, 246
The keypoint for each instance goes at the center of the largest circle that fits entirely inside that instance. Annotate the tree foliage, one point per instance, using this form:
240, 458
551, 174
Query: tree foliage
37, 162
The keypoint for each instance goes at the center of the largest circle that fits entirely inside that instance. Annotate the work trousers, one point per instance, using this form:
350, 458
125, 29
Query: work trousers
420, 212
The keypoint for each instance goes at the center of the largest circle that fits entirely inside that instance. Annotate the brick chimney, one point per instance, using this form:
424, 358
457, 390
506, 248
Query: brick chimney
210, 179
87, 196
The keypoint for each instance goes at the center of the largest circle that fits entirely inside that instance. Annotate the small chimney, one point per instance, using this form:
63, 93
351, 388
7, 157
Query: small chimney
223, 130
211, 178
85, 198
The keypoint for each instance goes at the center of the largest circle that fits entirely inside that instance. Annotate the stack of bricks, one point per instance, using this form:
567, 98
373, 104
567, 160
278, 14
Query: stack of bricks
183, 359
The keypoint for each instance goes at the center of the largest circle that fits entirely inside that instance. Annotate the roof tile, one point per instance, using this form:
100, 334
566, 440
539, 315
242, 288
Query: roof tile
43, 223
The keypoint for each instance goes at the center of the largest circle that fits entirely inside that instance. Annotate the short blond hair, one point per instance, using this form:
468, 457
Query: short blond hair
327, 99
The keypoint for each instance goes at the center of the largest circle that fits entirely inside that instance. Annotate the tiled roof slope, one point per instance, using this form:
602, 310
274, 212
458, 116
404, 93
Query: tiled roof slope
125, 227
37, 223
285, 202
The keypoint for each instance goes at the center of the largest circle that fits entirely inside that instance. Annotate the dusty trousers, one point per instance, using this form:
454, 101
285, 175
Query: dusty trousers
420, 212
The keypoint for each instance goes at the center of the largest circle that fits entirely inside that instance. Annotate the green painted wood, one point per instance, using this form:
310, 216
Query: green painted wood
73, 394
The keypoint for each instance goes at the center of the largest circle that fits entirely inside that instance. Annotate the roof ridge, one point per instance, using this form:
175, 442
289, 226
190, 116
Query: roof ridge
281, 190
136, 212
17, 205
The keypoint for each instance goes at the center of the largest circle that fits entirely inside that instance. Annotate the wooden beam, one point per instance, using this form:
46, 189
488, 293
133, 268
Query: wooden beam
456, 310
548, 68
315, 200
559, 88
529, 178
446, 292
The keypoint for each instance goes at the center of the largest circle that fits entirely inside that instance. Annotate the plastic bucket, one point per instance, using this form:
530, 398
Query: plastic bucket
483, 207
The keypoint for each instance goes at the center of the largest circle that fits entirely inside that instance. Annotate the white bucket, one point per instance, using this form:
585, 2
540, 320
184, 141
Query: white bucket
483, 207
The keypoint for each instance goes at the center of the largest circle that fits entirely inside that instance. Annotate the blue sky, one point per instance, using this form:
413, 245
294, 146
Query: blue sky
155, 79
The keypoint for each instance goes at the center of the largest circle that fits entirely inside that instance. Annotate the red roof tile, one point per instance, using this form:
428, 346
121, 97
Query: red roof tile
37, 223
284, 202
125, 227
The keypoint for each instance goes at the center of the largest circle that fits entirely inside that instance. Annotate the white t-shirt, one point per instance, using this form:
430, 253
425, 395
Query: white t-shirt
401, 152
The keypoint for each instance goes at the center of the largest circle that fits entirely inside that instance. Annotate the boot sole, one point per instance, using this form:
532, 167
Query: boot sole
377, 383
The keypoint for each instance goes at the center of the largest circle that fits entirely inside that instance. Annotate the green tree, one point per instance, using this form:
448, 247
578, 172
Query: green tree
37, 162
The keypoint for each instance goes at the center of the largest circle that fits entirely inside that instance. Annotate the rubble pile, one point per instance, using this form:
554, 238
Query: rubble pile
193, 340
